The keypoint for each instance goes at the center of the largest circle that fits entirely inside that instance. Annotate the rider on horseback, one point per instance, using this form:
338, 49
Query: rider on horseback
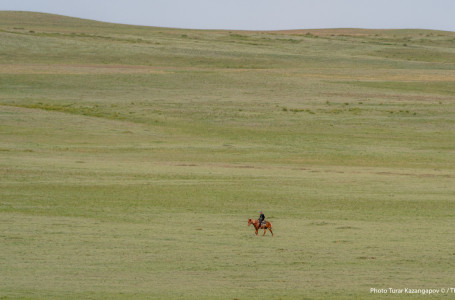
261, 218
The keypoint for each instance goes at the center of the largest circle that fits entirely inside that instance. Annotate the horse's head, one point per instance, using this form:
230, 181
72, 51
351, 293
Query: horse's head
249, 222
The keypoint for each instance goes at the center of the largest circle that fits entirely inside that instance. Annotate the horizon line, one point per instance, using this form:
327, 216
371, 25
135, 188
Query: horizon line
227, 29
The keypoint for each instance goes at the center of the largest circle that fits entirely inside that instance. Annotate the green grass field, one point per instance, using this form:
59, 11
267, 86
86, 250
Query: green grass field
131, 158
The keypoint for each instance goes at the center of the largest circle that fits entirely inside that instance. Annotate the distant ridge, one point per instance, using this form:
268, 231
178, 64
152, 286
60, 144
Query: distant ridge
39, 19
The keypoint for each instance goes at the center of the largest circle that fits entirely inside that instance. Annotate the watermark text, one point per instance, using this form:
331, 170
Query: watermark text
419, 291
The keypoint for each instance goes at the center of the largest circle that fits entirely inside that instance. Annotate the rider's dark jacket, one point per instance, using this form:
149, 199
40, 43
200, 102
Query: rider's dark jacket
261, 218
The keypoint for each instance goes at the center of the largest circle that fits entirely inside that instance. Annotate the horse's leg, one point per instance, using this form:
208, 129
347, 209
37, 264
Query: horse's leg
265, 230
271, 231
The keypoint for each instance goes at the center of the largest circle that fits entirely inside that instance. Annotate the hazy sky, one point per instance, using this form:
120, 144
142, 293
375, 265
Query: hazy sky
254, 14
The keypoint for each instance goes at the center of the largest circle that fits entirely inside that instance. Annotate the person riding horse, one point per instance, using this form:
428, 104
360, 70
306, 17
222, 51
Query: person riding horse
261, 218
261, 221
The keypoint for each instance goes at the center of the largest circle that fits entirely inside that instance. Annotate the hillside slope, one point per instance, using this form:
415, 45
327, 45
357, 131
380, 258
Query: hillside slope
131, 158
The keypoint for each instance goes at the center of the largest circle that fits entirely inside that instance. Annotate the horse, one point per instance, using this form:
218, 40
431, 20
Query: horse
256, 225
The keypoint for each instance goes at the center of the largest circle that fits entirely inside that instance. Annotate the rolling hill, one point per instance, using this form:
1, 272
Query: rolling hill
131, 158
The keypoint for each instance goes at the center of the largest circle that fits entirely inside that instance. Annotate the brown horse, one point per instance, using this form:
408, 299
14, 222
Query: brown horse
255, 223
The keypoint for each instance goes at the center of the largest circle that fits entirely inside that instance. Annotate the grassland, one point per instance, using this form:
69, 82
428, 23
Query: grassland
131, 158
